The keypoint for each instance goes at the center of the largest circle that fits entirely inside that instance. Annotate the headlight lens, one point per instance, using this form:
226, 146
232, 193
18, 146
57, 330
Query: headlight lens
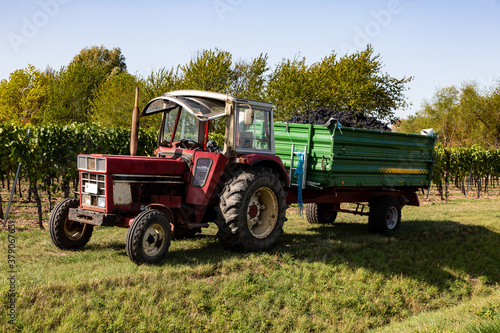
86, 200
91, 163
101, 202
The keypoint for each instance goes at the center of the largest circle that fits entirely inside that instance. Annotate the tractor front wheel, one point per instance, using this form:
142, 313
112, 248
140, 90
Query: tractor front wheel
67, 234
148, 238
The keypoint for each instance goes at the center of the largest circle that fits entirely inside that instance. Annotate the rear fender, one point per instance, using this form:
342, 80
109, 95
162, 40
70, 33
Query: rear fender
269, 161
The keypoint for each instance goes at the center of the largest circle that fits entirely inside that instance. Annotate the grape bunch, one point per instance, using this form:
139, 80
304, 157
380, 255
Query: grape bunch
356, 119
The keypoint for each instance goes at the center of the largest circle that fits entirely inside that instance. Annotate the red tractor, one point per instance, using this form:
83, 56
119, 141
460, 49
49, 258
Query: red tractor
190, 182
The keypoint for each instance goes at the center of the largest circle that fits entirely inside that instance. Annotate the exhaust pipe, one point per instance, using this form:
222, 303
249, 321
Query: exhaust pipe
134, 131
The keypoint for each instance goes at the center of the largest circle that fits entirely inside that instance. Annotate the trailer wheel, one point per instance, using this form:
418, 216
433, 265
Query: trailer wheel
320, 213
148, 238
385, 215
252, 210
67, 234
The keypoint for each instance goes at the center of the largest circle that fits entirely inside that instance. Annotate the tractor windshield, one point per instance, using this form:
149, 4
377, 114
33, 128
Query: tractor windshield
187, 127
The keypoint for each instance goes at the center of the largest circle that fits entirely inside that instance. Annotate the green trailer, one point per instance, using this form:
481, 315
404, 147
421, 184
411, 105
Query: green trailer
328, 165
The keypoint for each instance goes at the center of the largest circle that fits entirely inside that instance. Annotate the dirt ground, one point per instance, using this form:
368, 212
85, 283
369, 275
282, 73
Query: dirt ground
24, 212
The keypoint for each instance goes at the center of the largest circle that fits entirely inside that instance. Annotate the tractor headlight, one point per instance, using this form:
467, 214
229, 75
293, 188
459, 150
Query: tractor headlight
91, 163
86, 200
101, 202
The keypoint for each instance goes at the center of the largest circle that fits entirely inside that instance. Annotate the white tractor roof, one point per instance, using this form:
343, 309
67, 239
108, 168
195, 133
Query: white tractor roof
204, 105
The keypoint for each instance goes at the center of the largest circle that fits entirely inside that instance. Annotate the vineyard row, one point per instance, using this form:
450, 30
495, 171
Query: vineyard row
51, 151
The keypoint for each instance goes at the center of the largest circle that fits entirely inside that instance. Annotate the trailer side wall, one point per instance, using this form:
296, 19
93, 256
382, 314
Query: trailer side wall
349, 157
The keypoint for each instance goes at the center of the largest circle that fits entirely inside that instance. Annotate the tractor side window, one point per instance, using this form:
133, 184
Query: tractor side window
255, 136
168, 127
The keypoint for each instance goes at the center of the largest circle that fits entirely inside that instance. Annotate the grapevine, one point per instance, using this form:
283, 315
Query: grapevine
51, 153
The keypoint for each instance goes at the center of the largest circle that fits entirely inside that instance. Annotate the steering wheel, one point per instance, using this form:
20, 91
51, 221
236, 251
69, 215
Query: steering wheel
188, 144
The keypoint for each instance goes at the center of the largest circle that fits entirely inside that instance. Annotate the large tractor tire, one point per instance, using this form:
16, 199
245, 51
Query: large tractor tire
148, 238
320, 213
385, 215
252, 210
67, 234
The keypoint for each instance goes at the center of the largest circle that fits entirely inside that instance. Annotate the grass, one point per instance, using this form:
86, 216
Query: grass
439, 273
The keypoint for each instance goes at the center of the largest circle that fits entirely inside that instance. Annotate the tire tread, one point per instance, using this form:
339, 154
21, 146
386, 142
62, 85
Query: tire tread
56, 226
229, 213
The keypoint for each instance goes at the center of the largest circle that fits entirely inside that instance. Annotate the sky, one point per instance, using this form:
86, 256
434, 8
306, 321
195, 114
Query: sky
438, 43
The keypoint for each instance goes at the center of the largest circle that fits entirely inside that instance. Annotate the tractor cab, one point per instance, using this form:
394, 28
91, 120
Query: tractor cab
187, 115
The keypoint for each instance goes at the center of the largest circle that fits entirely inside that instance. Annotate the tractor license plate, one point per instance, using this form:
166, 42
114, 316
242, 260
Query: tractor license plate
91, 188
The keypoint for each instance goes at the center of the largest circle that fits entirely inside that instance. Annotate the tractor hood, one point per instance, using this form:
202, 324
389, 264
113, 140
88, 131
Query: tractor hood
135, 165
201, 104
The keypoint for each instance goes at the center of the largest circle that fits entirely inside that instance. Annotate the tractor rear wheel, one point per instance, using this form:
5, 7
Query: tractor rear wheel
252, 210
148, 238
67, 234
320, 213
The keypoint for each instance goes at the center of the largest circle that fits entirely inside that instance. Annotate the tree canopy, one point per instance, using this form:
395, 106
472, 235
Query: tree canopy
23, 95
352, 82
73, 88
461, 116
113, 99
96, 87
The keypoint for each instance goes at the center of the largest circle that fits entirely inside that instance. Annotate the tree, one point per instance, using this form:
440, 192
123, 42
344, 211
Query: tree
485, 111
114, 100
493, 117
353, 82
413, 124
208, 70
443, 113
441, 110
248, 78
109, 62
289, 88
74, 87
22, 96
462, 116
162, 81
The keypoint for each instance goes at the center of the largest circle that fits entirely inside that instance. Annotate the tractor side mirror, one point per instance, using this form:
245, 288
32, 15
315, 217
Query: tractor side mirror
248, 119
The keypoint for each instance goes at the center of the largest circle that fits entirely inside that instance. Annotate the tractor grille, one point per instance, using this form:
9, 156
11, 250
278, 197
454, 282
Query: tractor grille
93, 189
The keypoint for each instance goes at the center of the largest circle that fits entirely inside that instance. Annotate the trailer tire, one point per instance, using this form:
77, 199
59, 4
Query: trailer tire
148, 238
385, 215
66, 234
252, 210
320, 213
